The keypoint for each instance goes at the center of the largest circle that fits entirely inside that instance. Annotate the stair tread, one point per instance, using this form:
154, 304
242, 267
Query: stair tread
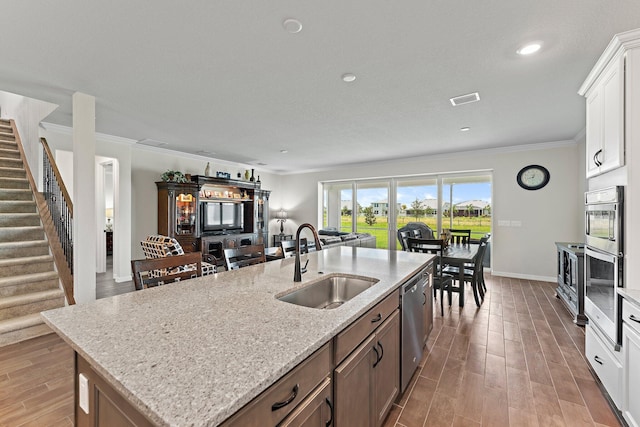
31, 297
28, 278
24, 244
24, 260
21, 322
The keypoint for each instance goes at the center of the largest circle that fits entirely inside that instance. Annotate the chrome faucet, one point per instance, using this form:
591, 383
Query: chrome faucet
297, 273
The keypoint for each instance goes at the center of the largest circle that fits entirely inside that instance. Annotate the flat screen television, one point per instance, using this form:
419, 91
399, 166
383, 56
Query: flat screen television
222, 216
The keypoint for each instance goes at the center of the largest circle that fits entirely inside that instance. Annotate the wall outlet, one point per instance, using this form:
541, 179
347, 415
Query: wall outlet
83, 393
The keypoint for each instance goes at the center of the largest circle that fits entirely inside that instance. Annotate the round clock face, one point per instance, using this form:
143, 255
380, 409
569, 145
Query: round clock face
533, 177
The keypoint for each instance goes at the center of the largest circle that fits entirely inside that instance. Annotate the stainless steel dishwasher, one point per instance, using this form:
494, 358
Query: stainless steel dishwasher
411, 346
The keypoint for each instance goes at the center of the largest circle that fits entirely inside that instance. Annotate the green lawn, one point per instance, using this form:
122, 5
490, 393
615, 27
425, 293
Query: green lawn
478, 226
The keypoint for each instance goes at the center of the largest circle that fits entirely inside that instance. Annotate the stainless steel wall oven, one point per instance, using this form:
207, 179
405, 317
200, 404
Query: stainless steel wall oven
603, 258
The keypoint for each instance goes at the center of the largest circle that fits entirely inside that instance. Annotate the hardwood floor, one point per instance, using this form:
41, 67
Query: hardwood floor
516, 361
107, 287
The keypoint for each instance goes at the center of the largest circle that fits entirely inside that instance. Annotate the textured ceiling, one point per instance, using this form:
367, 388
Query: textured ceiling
225, 77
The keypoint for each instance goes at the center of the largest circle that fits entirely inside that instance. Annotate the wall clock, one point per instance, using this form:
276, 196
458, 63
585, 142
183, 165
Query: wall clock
533, 177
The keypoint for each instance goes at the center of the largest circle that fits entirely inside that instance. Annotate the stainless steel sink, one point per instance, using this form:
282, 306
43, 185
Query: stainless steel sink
329, 292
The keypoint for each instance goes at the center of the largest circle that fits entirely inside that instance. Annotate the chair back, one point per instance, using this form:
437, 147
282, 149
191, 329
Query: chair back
244, 256
428, 246
174, 268
158, 246
414, 229
477, 266
459, 236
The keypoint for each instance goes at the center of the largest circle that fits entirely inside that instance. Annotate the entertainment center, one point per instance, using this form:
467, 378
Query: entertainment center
210, 214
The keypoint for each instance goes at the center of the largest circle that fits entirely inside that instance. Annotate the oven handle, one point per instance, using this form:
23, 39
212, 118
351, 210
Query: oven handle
601, 255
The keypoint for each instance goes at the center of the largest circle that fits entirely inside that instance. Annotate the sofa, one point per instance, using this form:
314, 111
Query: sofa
331, 237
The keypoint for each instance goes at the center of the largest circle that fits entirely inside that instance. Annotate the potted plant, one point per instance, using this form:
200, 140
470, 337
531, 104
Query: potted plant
173, 176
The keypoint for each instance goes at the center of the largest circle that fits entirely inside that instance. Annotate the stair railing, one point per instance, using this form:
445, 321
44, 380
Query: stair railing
58, 200
61, 243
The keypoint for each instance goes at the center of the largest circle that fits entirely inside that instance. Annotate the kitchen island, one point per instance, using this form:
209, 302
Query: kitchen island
194, 353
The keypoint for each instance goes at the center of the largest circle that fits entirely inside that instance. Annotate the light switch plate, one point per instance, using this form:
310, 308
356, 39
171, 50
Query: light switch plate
83, 393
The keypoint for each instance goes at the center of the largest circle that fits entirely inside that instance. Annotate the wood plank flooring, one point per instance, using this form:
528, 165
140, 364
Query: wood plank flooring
516, 361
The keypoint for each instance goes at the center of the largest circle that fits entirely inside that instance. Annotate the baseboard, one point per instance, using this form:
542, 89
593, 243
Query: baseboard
524, 276
123, 278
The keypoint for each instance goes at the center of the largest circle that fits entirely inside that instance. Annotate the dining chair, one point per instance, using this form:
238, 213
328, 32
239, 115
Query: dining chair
441, 280
459, 236
244, 256
288, 247
158, 271
159, 246
473, 275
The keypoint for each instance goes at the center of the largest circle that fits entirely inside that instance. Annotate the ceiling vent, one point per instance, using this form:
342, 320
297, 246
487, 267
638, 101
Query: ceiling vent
465, 99
152, 143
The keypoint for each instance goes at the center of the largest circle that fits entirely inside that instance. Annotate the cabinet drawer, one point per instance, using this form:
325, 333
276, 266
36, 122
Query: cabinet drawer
631, 315
290, 389
350, 338
604, 363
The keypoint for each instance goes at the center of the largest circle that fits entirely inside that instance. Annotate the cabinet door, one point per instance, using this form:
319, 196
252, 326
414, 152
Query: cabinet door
315, 411
631, 377
613, 120
594, 130
387, 369
354, 387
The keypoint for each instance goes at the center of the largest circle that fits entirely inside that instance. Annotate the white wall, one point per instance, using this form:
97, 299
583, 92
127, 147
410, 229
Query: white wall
27, 113
551, 214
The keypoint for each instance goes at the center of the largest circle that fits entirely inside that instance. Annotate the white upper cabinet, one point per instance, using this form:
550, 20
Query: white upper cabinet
604, 89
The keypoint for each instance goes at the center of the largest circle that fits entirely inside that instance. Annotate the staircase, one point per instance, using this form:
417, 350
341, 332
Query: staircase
29, 282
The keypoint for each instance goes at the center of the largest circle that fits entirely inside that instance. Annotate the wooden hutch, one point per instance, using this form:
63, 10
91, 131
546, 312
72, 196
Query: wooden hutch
210, 214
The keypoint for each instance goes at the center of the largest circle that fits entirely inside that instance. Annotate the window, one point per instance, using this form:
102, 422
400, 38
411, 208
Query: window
382, 206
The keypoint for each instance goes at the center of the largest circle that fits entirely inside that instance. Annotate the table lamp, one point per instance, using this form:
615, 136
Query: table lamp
281, 217
109, 214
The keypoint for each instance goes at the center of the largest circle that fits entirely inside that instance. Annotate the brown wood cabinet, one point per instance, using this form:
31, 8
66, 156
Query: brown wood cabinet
315, 411
178, 213
279, 400
367, 382
107, 407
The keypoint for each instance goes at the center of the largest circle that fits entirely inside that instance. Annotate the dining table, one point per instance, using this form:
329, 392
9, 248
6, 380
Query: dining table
458, 255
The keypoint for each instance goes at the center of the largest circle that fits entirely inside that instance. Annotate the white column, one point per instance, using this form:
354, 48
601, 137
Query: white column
84, 206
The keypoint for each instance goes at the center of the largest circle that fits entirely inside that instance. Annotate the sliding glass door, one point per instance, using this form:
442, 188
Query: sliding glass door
466, 203
373, 209
381, 206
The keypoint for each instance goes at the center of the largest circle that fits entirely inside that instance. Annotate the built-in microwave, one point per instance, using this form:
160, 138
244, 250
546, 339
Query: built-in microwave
604, 219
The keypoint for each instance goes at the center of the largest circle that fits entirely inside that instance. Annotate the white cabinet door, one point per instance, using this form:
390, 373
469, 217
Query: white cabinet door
605, 121
604, 363
631, 387
594, 130
613, 120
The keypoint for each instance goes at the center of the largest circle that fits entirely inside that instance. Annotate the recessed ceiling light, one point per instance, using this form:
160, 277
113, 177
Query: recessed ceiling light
348, 77
284, 151
529, 48
465, 129
292, 26
465, 99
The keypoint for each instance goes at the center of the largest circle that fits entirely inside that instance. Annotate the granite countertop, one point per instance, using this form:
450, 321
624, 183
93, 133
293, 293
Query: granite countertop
195, 352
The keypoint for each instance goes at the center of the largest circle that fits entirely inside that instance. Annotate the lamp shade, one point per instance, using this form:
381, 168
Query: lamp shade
108, 212
281, 214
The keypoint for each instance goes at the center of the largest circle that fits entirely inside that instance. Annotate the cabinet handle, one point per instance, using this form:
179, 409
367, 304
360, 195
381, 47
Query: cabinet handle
597, 359
377, 318
595, 158
425, 298
326, 399
377, 356
279, 405
381, 350
634, 318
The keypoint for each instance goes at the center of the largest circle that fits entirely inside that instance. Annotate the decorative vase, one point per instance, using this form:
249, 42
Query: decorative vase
207, 170
246, 175
252, 178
